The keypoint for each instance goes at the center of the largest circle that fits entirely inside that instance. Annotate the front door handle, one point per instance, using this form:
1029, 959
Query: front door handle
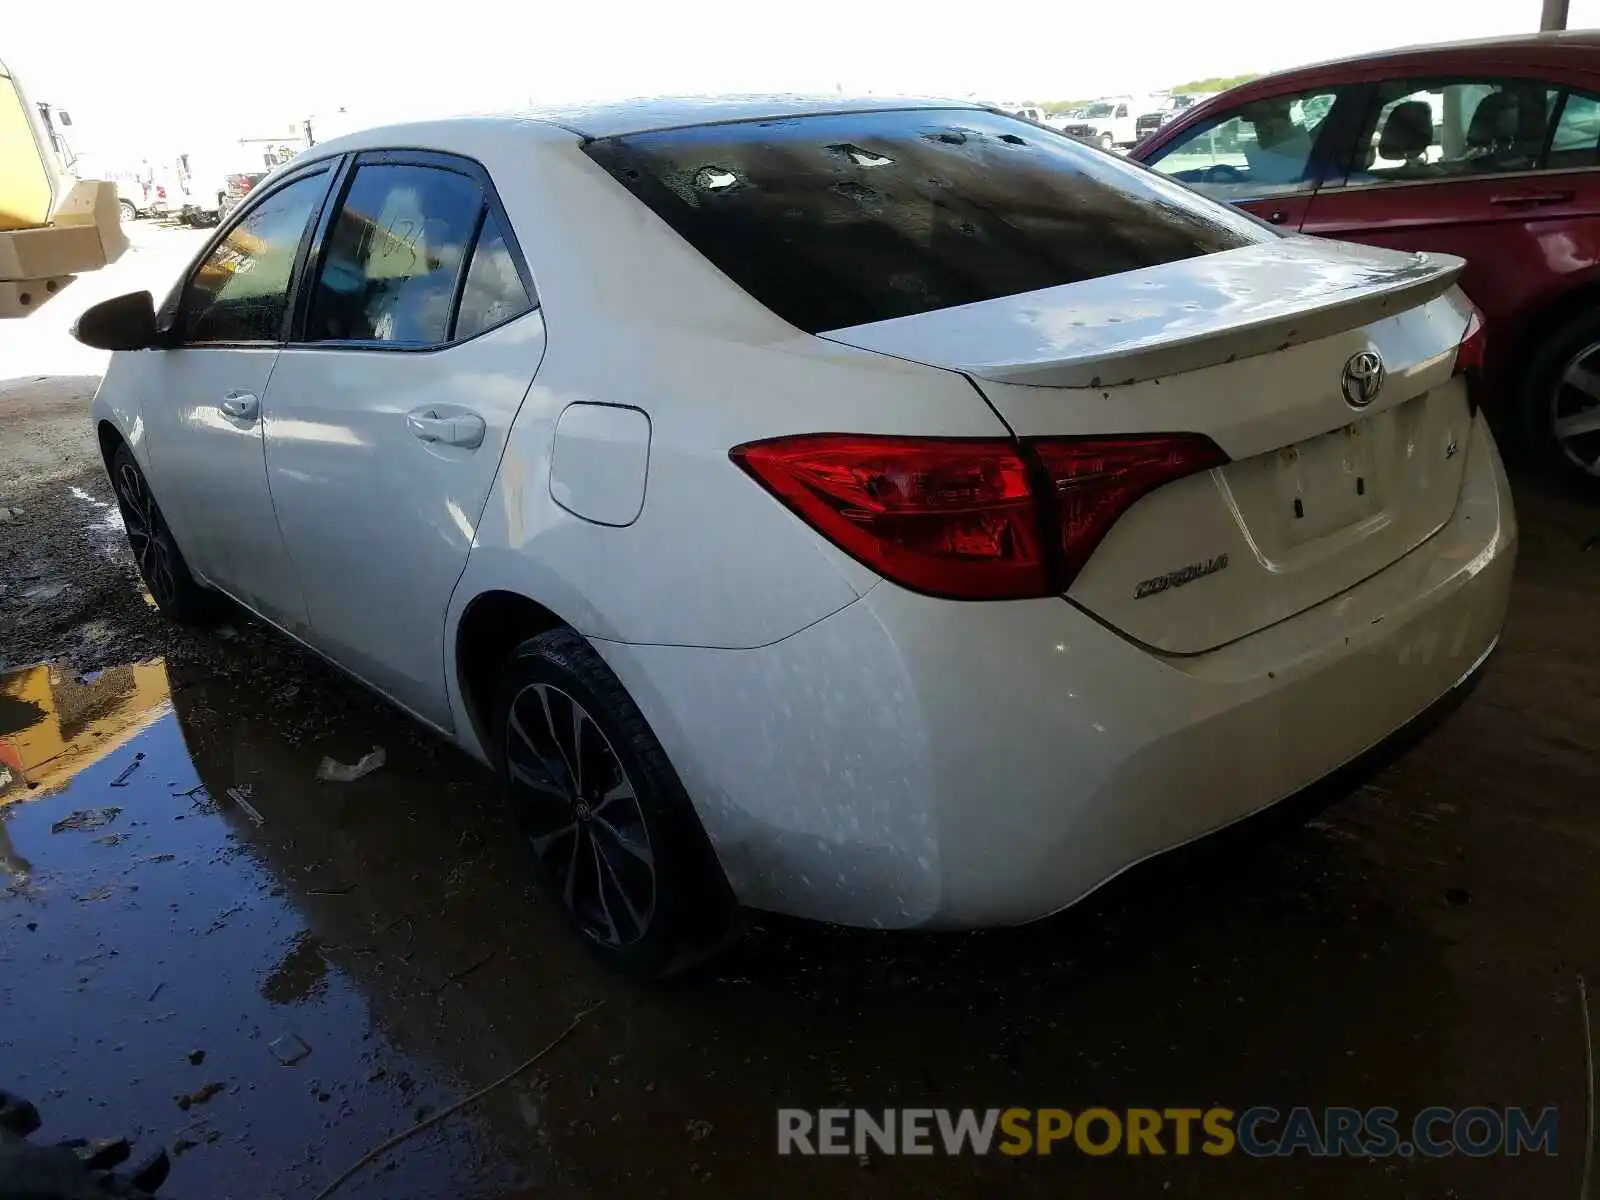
465, 430
242, 406
1532, 198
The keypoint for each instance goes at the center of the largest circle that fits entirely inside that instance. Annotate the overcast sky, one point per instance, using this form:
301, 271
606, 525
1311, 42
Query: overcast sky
157, 77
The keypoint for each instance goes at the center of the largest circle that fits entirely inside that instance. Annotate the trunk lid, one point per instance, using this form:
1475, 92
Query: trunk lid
1250, 348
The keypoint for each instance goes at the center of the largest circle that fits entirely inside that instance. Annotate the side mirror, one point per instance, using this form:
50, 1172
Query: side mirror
122, 323
66, 117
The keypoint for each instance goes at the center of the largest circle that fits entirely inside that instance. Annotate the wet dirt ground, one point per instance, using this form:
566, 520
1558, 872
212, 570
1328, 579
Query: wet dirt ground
182, 906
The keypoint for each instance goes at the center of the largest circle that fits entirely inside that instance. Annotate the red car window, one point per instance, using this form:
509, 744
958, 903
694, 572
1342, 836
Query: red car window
1261, 148
1460, 128
1576, 140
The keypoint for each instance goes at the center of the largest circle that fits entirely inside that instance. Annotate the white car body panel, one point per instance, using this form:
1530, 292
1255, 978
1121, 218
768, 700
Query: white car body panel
945, 738
208, 469
1139, 325
855, 751
377, 578
600, 462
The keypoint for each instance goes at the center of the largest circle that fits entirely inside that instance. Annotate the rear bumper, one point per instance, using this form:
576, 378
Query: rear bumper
917, 762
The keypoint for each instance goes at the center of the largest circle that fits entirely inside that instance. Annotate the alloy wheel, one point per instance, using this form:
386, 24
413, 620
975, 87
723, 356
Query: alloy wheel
147, 536
581, 814
1575, 410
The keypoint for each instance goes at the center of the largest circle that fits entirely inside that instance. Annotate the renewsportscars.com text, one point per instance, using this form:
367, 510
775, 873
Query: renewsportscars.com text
1260, 1131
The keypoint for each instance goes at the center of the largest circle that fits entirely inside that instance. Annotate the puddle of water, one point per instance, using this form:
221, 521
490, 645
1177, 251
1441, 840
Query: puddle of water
140, 929
389, 925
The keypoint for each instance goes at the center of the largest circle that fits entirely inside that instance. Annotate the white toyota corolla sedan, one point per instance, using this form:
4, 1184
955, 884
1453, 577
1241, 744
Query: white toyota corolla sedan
892, 513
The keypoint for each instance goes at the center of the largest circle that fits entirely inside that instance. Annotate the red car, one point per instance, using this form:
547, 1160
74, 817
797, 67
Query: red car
1489, 150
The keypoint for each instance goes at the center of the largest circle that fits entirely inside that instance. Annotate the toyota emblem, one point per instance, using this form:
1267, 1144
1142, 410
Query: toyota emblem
1363, 378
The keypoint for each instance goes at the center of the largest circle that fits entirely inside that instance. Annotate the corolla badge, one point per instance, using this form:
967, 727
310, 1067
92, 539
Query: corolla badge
1363, 378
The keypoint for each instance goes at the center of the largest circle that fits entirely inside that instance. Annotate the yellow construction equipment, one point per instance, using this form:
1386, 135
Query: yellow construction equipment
51, 226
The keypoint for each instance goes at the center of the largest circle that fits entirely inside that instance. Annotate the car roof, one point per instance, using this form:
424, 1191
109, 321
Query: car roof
617, 118
1533, 45
614, 118
1568, 52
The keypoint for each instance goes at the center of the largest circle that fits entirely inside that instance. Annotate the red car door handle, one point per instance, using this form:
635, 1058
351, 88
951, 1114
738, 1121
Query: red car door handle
1532, 198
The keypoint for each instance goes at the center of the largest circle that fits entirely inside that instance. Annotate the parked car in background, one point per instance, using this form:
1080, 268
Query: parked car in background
1489, 150
236, 187
1111, 122
1169, 108
133, 195
980, 558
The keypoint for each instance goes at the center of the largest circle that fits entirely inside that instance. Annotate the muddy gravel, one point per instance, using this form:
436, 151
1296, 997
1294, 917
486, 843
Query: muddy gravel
273, 974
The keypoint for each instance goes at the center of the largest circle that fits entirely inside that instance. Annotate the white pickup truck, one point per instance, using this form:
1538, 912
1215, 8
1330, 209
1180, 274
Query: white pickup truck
1111, 121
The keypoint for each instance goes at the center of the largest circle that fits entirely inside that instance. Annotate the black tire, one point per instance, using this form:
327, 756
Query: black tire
1546, 397
612, 836
129, 211
161, 563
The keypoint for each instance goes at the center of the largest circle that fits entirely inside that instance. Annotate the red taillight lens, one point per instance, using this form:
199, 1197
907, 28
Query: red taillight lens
1097, 479
1469, 357
950, 518
161, 192
964, 519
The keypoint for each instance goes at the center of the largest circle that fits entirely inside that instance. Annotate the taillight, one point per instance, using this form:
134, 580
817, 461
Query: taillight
161, 192
1096, 480
969, 519
950, 518
1469, 357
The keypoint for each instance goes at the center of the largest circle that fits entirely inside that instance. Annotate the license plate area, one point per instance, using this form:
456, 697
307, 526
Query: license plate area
1333, 481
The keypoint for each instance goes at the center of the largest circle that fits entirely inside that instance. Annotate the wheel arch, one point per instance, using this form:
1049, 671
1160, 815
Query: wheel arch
1550, 315
493, 624
110, 438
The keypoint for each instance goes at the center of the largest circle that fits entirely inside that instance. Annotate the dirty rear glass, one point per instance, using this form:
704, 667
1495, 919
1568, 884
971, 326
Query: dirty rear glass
840, 220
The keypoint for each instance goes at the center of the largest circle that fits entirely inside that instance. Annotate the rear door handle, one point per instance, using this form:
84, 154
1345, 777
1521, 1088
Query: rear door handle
1532, 198
243, 406
465, 430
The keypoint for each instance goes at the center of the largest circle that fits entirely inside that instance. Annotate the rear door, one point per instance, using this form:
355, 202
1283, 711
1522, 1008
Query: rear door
416, 343
1267, 156
1500, 171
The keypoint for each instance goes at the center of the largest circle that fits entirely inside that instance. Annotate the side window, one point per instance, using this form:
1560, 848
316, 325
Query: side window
493, 292
393, 255
240, 292
1122, 110
1453, 129
1576, 142
1260, 149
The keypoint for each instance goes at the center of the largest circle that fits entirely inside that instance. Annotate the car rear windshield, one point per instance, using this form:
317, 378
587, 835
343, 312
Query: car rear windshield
840, 220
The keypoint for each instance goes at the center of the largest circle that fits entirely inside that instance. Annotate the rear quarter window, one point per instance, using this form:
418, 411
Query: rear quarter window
841, 220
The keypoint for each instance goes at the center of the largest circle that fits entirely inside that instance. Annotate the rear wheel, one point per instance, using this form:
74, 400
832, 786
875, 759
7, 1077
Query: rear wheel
1106, 142
129, 212
612, 836
1559, 410
160, 562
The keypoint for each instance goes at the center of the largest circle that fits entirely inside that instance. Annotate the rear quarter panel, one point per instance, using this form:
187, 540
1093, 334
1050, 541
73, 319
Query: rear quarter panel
636, 317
